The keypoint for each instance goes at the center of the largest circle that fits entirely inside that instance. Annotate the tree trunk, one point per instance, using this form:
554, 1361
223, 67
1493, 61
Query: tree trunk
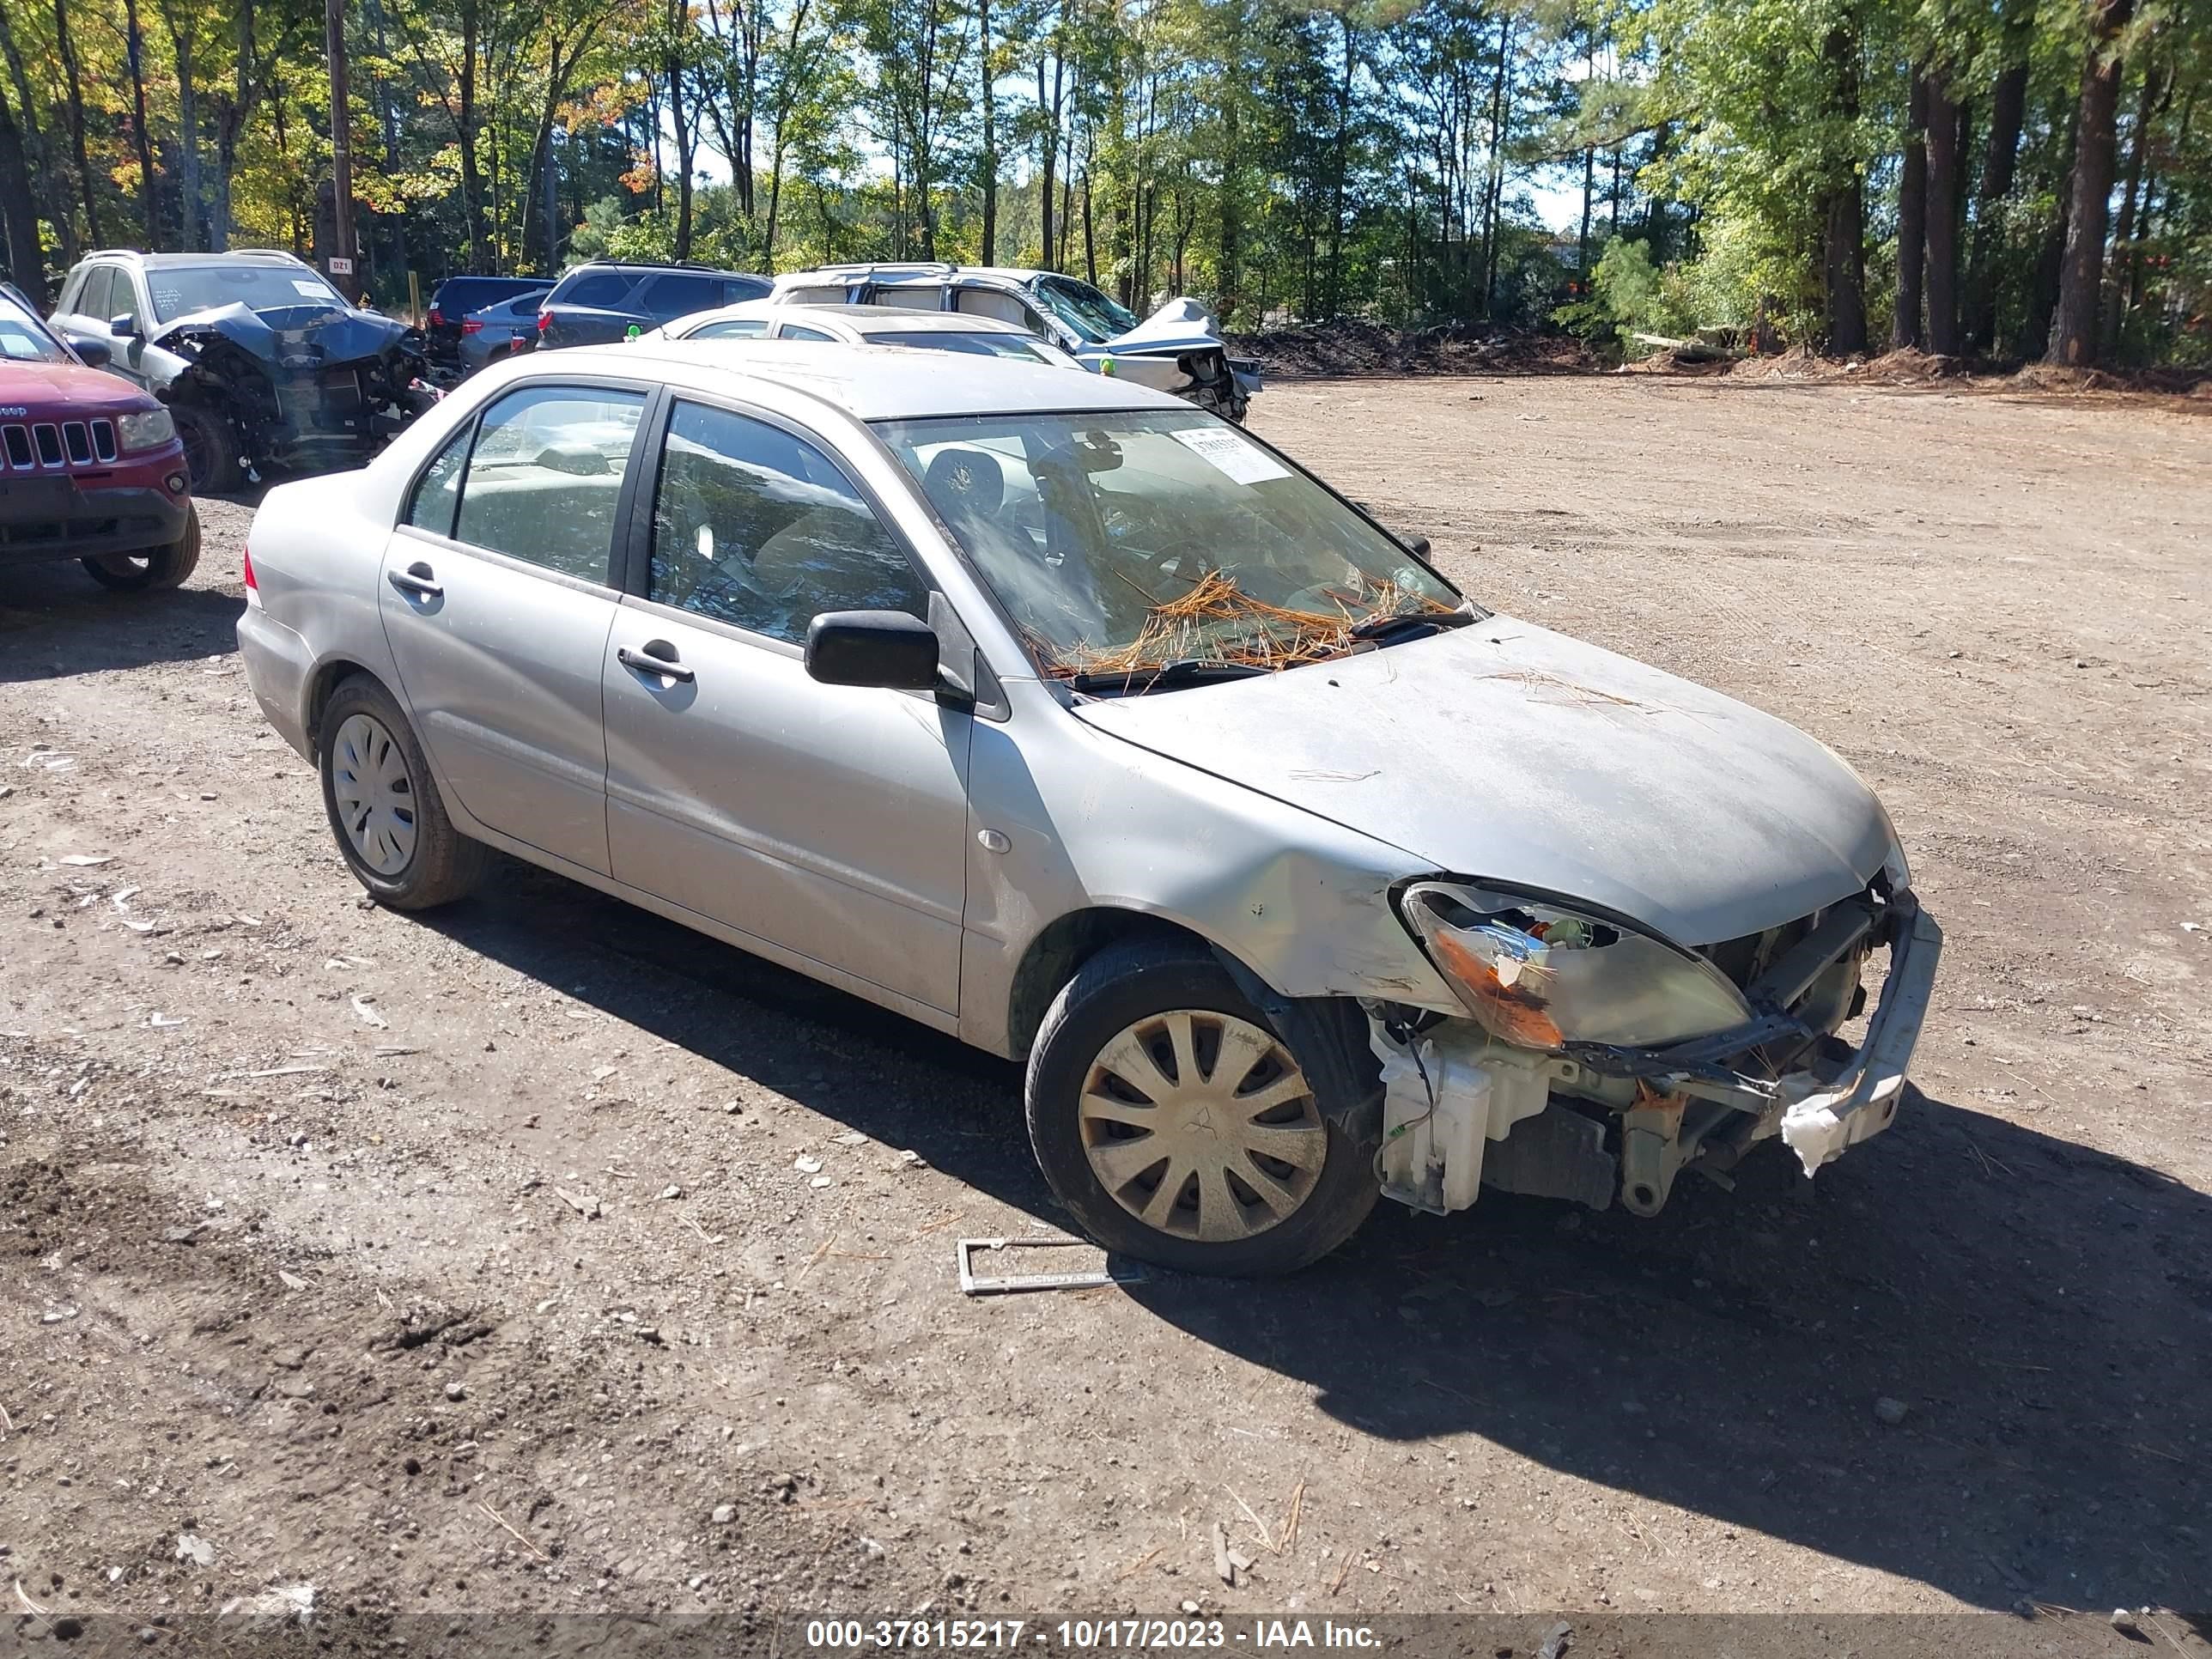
987, 163
1945, 169
2074, 338
1844, 240
142, 141
26, 265
1229, 269
1050, 135
680, 126
472, 202
1090, 239
1339, 166
190, 236
66, 50
37, 157
2127, 230
2000, 160
1494, 187
1911, 216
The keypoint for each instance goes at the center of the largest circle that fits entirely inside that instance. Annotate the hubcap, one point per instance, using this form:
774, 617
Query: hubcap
1201, 1125
375, 797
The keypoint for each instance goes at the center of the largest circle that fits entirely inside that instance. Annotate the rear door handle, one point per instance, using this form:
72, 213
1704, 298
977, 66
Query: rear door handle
652, 660
415, 579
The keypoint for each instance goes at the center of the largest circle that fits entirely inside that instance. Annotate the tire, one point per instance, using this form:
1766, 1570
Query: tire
156, 567
1079, 1109
211, 448
402, 847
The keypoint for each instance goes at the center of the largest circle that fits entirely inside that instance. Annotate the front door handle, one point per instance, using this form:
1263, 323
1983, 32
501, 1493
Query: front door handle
659, 657
415, 579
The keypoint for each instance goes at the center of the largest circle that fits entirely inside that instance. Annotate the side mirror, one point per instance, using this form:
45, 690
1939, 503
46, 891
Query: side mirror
92, 354
885, 648
123, 326
1418, 546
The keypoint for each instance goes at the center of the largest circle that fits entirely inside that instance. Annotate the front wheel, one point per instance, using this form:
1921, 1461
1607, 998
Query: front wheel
157, 567
383, 806
1180, 1128
211, 448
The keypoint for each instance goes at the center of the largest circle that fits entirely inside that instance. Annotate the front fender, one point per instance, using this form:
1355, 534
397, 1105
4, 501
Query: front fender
1088, 821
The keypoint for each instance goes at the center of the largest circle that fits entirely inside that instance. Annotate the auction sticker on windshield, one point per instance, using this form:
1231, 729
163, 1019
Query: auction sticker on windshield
1229, 453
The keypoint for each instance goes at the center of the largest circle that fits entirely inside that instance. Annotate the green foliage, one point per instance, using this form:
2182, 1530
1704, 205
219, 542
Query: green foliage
1283, 159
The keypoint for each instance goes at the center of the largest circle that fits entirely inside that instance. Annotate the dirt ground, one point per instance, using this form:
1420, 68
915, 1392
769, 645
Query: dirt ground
303, 1299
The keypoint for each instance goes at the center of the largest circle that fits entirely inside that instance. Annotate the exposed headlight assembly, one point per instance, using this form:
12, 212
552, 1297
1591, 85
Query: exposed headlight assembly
148, 429
1542, 976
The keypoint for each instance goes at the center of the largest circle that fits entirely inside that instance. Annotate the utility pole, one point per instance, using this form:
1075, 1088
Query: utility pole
340, 262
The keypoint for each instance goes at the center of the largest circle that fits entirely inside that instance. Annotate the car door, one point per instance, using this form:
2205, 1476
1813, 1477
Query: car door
498, 596
829, 821
105, 292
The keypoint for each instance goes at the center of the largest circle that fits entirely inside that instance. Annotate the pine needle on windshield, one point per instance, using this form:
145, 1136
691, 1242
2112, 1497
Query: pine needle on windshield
1218, 622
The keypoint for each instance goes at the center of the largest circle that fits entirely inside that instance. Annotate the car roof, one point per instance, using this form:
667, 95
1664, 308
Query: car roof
656, 267
871, 383
909, 272
865, 319
172, 261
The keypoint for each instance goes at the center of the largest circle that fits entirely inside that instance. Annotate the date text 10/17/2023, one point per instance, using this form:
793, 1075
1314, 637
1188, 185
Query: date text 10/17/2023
1084, 1635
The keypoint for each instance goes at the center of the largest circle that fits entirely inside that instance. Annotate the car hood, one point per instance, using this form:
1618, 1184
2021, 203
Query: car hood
48, 389
305, 336
1504, 752
1183, 324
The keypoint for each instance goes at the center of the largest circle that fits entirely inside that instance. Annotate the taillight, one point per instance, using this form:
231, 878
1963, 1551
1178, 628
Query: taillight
472, 325
544, 321
436, 318
253, 587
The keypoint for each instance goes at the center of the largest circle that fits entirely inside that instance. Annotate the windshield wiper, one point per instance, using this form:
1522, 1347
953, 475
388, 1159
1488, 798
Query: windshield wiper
1183, 670
1406, 624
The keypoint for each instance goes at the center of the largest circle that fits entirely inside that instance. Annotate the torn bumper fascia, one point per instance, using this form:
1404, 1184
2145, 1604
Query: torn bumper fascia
1451, 1088
1818, 1120
1817, 1113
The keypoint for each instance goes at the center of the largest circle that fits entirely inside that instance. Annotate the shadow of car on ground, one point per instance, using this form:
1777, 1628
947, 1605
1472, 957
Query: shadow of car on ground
55, 620
2041, 1309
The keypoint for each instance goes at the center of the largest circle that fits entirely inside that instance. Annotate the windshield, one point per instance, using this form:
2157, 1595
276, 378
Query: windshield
1083, 308
1120, 543
180, 290
23, 338
978, 345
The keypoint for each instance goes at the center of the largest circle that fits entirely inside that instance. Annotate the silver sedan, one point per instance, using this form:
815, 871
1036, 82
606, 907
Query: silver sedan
1056, 714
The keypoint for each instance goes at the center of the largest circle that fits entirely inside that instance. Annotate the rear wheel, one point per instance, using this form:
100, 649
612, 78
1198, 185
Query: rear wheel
384, 806
211, 448
1180, 1128
157, 567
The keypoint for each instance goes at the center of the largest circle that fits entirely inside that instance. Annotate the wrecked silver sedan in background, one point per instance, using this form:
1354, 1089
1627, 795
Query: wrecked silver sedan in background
263, 364
1177, 349
1056, 714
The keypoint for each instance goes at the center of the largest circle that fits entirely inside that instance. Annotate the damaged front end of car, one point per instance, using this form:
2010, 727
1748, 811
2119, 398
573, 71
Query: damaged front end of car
297, 388
1178, 350
1597, 1062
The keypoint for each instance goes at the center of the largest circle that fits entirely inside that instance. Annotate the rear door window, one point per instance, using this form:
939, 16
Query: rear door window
94, 301
543, 479
910, 296
678, 296
597, 288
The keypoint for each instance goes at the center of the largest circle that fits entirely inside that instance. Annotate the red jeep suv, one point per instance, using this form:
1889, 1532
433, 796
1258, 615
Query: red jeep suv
90, 467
